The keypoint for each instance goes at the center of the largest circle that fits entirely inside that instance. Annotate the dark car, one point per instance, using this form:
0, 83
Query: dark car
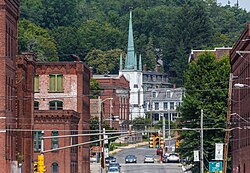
159, 151
110, 159
130, 159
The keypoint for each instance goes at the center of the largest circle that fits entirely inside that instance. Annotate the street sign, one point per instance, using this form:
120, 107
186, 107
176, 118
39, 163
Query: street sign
106, 141
215, 166
96, 149
219, 151
196, 156
106, 152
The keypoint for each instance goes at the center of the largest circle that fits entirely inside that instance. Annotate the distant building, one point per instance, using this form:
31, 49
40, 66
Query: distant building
133, 73
155, 79
161, 102
240, 60
115, 111
62, 108
218, 52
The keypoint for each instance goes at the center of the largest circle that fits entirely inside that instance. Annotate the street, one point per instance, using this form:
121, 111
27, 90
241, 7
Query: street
138, 167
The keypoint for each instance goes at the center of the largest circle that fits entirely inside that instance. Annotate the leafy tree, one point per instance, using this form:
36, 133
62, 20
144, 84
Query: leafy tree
95, 88
36, 39
206, 83
139, 123
104, 62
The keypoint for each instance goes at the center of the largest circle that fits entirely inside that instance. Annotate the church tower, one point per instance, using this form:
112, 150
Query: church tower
133, 73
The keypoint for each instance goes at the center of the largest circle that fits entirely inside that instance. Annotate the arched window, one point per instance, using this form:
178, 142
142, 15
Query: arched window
36, 105
54, 167
55, 105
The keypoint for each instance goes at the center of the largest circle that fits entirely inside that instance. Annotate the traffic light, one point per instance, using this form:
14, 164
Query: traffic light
177, 144
157, 142
151, 142
35, 167
162, 143
41, 167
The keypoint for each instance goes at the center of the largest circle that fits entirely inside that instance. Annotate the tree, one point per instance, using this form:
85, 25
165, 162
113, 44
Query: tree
104, 62
139, 123
95, 88
206, 83
36, 39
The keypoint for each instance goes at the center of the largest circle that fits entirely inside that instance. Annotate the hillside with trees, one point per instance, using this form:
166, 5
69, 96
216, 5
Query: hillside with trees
163, 29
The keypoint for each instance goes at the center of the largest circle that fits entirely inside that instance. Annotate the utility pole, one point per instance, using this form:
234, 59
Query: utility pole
169, 133
201, 156
226, 145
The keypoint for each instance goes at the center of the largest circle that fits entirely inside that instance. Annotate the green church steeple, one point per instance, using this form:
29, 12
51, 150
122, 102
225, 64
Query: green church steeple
130, 59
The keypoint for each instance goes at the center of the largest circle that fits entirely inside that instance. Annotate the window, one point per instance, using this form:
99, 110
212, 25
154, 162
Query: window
37, 140
156, 106
36, 105
135, 86
55, 105
165, 105
56, 83
54, 167
154, 94
36, 83
171, 105
54, 141
168, 94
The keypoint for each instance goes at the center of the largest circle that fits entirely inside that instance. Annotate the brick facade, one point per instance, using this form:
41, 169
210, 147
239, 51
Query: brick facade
25, 99
117, 88
9, 12
240, 104
75, 97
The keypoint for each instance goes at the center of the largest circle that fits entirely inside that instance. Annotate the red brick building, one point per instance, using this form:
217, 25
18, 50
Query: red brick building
118, 108
25, 122
240, 67
218, 52
8, 43
62, 108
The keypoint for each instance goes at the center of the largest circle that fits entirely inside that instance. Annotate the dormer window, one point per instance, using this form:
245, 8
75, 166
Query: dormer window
154, 94
168, 94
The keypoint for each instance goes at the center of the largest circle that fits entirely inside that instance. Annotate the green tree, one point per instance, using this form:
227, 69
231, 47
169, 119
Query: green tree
206, 83
104, 62
95, 89
139, 123
36, 39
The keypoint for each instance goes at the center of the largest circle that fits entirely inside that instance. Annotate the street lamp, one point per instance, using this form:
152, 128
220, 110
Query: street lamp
100, 101
240, 85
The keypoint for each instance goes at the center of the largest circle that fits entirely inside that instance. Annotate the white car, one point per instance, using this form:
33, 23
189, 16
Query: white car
149, 159
173, 158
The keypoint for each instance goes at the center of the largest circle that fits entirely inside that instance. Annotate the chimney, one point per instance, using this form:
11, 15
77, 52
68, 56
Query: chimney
174, 86
145, 67
157, 67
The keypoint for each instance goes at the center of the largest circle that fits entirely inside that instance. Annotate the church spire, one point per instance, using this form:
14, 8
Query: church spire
131, 50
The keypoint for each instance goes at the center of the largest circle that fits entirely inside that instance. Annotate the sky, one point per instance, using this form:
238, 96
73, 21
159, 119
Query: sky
245, 4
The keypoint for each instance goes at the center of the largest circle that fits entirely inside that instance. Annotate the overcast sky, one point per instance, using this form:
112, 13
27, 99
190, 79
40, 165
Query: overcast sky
245, 4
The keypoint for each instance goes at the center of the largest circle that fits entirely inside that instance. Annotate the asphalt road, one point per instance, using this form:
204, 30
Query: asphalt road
141, 167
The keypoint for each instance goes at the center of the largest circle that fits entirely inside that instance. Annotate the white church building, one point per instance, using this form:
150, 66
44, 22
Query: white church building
132, 70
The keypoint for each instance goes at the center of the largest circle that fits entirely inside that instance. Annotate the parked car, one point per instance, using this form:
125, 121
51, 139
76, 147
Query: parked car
130, 159
110, 159
159, 151
113, 170
173, 158
149, 159
114, 165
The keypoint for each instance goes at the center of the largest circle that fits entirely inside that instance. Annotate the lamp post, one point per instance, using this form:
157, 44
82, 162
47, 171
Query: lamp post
101, 137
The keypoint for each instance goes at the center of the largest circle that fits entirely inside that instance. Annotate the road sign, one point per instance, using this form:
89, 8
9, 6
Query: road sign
96, 149
196, 156
215, 166
219, 151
